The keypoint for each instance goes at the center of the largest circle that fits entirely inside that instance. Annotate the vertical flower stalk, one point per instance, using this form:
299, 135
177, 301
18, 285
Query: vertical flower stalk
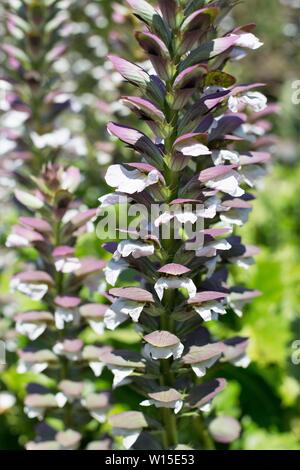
53, 328
53, 220
200, 160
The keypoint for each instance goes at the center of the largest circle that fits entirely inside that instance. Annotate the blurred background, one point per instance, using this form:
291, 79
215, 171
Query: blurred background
266, 396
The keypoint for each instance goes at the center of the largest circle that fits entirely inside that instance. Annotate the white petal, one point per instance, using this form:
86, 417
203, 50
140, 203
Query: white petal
31, 330
227, 183
61, 399
113, 270
14, 240
120, 374
130, 439
193, 149
178, 406
243, 362
135, 248
33, 412
67, 265
163, 353
233, 104
146, 403
201, 367
177, 283
7, 401
97, 368
97, 326
206, 408
248, 40
129, 181
98, 416
255, 100
34, 291
112, 319
221, 156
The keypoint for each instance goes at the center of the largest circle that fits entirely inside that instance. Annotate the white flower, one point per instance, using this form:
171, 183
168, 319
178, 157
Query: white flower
242, 361
249, 41
135, 248
221, 156
97, 367
67, 265
174, 283
34, 291
176, 404
31, 330
210, 249
113, 270
36, 368
55, 139
14, 240
130, 436
119, 312
7, 401
210, 310
6, 145
120, 375
13, 119
97, 326
193, 148
157, 353
201, 368
227, 183
254, 99
65, 315
130, 181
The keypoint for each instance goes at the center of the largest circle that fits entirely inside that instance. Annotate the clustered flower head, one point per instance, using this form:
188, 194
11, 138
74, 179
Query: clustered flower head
206, 146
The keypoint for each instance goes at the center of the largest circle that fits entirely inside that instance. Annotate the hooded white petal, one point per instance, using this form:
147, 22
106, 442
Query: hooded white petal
97, 326
254, 99
7, 401
14, 240
176, 404
201, 368
53, 139
210, 310
135, 248
221, 156
119, 312
163, 353
97, 367
113, 270
130, 181
193, 149
120, 375
34, 291
67, 265
65, 315
248, 40
174, 283
242, 361
31, 330
228, 183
